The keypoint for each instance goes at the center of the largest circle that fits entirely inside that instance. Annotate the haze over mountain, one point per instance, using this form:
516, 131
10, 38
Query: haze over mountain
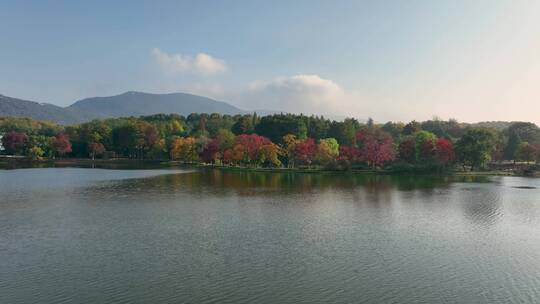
138, 103
126, 104
15, 107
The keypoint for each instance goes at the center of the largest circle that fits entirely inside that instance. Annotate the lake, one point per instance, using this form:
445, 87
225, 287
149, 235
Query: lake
73, 235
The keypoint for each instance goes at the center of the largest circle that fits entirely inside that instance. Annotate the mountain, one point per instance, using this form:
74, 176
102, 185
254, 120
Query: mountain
41, 111
127, 104
138, 103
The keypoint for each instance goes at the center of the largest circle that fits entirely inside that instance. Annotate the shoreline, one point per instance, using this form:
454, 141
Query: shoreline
125, 163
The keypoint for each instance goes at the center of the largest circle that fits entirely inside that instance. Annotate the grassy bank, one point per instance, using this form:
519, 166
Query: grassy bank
125, 163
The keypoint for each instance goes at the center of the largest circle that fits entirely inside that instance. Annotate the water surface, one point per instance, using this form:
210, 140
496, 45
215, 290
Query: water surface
178, 236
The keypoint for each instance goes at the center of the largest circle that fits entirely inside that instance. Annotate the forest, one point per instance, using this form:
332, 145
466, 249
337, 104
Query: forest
277, 141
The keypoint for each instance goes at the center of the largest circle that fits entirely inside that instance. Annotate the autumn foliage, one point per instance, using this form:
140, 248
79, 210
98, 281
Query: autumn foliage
15, 142
305, 151
371, 146
444, 151
184, 149
253, 150
95, 149
61, 144
407, 150
251, 141
376, 146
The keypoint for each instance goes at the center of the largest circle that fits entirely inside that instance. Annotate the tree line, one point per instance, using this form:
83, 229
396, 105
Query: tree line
280, 140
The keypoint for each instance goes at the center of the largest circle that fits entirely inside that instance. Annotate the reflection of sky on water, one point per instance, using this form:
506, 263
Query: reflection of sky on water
153, 236
481, 199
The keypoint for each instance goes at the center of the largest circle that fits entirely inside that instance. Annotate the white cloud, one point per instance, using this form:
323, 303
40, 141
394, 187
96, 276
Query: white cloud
202, 64
309, 94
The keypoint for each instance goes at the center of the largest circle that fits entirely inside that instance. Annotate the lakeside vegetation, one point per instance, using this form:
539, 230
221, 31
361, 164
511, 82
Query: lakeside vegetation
279, 141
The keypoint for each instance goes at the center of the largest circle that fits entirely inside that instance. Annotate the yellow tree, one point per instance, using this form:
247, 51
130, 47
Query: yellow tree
327, 151
289, 147
269, 153
175, 148
184, 149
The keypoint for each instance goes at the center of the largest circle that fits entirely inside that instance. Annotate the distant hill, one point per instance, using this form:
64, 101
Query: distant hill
138, 103
127, 104
41, 111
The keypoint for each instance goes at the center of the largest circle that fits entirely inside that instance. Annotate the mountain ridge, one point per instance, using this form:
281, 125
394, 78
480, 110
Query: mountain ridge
10, 106
130, 103
134, 103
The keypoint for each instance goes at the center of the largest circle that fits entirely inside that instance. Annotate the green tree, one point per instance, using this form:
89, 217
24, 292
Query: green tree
225, 139
512, 146
125, 139
517, 133
317, 127
446, 129
412, 127
344, 132
475, 147
394, 129
216, 122
423, 141
244, 125
274, 127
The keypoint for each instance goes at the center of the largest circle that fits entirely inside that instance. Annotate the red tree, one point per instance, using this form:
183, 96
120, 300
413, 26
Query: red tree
228, 156
376, 146
407, 150
445, 151
305, 151
210, 153
61, 144
15, 142
428, 150
95, 149
350, 154
150, 135
248, 146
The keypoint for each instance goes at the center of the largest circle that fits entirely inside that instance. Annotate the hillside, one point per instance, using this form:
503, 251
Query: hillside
127, 104
24, 108
138, 103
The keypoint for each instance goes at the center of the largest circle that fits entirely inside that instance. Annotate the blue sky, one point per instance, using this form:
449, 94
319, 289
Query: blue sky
399, 60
